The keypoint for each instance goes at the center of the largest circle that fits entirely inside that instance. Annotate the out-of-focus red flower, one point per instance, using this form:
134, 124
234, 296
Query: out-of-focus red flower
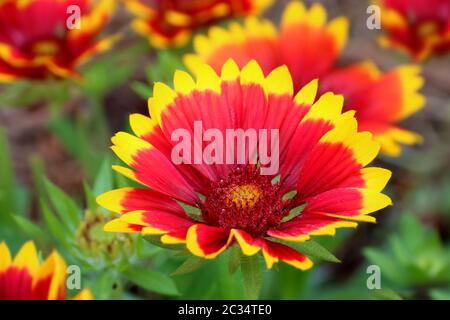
38, 38
26, 278
310, 46
171, 22
420, 28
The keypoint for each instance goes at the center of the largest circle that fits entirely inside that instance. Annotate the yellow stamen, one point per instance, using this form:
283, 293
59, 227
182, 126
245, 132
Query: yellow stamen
245, 196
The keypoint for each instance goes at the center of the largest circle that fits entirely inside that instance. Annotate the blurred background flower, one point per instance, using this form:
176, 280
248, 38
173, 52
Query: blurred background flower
418, 28
36, 41
310, 47
26, 278
171, 22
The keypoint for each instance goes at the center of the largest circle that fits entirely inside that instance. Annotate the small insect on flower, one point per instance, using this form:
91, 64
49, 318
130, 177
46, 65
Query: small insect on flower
309, 47
171, 22
418, 28
47, 38
322, 159
26, 278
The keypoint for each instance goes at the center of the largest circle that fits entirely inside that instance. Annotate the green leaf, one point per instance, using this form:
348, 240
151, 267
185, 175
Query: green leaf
104, 75
60, 232
387, 294
30, 229
289, 195
235, 259
143, 90
151, 280
193, 212
104, 180
155, 240
90, 198
276, 179
386, 263
312, 249
189, 265
252, 276
13, 198
64, 205
294, 212
440, 294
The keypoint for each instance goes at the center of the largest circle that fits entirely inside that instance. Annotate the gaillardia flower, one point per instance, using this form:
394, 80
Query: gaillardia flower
26, 278
419, 28
309, 47
41, 38
321, 157
171, 22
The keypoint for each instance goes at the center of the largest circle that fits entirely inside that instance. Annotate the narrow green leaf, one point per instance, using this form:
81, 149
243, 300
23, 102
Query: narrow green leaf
155, 240
386, 263
64, 205
193, 212
143, 90
387, 294
151, 280
13, 197
289, 195
312, 249
30, 229
235, 259
104, 179
59, 231
38, 171
294, 212
90, 198
189, 265
252, 276
276, 179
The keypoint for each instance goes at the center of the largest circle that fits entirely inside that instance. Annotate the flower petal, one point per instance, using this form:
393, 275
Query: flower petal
303, 226
5, 257
206, 241
84, 294
50, 280
273, 252
249, 245
152, 168
157, 222
348, 203
27, 258
131, 199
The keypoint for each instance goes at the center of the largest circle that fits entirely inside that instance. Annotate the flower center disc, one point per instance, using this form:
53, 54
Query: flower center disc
245, 196
244, 200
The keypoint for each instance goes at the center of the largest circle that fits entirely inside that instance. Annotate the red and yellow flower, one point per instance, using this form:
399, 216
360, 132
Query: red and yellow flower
419, 28
36, 41
309, 47
26, 278
171, 22
322, 166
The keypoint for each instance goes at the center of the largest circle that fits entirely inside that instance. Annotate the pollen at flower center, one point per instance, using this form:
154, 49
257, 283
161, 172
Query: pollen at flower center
244, 200
245, 196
